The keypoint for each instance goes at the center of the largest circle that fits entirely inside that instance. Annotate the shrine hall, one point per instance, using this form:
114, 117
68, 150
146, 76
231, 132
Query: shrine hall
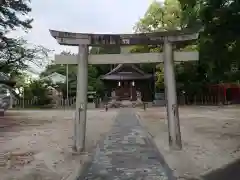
127, 81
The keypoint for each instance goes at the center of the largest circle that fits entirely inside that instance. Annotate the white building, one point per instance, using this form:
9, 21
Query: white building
55, 78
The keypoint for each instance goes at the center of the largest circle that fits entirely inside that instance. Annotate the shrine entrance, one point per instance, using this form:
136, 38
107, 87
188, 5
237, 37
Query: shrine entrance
167, 39
124, 90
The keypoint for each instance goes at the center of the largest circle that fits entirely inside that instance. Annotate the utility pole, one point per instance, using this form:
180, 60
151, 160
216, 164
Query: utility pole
67, 83
23, 97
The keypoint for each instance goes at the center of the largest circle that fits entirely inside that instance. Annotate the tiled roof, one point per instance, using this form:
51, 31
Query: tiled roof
120, 73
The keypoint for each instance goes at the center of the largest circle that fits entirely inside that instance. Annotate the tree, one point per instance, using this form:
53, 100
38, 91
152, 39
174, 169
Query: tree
94, 73
16, 54
158, 17
21, 81
11, 11
191, 12
37, 89
220, 39
105, 68
61, 69
159, 76
161, 17
13, 15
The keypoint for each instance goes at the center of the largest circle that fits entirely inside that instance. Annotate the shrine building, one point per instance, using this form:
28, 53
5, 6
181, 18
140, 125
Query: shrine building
126, 81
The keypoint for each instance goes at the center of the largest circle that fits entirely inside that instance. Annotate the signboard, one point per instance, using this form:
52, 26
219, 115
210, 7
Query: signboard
121, 39
104, 39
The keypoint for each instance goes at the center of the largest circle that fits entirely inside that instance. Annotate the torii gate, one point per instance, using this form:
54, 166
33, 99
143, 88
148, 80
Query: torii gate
84, 40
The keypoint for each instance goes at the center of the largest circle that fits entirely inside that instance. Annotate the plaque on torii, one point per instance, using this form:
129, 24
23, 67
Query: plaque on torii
165, 38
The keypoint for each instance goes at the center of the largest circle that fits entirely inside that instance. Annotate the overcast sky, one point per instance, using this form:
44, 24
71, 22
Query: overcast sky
90, 16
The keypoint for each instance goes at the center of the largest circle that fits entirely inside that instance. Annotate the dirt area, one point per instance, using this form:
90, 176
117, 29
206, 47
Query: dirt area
211, 141
36, 145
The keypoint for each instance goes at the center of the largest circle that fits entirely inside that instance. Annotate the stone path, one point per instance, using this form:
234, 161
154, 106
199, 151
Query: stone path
127, 153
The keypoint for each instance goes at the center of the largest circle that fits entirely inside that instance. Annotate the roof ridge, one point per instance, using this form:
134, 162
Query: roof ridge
115, 69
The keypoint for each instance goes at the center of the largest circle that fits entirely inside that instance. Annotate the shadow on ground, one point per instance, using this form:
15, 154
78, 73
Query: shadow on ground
231, 171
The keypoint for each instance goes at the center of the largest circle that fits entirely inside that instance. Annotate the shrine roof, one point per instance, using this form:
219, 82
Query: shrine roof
126, 72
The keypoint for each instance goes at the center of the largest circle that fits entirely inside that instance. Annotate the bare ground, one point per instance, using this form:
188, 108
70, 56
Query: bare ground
211, 141
36, 145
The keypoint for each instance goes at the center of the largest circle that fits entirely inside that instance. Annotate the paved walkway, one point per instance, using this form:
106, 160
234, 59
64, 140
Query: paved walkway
127, 153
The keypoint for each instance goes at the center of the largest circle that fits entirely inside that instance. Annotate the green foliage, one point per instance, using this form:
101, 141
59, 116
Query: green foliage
191, 12
172, 15
220, 39
152, 20
17, 55
37, 89
104, 68
159, 76
94, 73
161, 17
158, 17
10, 15
219, 42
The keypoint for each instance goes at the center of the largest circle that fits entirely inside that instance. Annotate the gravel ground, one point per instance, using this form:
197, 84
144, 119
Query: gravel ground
36, 145
211, 141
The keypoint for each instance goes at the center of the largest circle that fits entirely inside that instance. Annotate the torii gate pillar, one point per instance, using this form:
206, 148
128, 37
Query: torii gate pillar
81, 99
174, 132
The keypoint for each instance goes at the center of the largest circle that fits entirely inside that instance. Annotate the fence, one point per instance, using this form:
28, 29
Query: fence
201, 100
34, 103
55, 104
70, 103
